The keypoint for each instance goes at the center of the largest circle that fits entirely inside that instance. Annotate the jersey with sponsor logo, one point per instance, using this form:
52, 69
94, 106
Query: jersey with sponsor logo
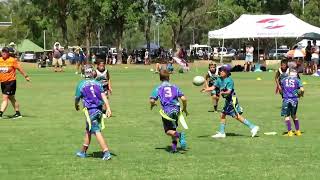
8, 69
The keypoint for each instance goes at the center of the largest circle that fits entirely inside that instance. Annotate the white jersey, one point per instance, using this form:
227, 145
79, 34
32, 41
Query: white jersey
101, 76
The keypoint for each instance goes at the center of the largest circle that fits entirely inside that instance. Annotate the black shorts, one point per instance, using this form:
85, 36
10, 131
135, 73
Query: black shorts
169, 125
9, 87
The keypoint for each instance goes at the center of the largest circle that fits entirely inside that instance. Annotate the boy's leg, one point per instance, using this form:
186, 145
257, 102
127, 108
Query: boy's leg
175, 137
103, 145
288, 124
4, 104
221, 132
215, 99
254, 129
86, 142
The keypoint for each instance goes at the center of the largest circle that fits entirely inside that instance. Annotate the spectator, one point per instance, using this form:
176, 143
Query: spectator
57, 54
249, 58
12, 49
308, 58
315, 56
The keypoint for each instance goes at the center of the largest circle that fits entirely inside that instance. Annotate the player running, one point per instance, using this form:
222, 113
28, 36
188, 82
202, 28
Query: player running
292, 89
211, 77
93, 98
232, 108
169, 96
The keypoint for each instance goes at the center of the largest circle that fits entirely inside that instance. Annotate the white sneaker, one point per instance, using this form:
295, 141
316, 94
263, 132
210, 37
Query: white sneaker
219, 135
254, 131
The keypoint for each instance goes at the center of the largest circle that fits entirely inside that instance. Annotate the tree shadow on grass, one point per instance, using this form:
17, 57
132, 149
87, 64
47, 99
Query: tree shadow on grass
168, 149
98, 154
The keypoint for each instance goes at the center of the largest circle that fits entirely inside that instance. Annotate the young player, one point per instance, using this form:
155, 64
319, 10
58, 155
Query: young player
292, 89
93, 96
231, 107
281, 74
169, 95
103, 76
211, 77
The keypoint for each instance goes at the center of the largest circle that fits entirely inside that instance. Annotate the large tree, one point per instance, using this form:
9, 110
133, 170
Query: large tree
119, 15
179, 16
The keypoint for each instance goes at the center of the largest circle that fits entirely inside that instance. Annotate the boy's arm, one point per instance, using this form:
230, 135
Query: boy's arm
106, 102
152, 103
109, 82
184, 105
24, 74
206, 84
208, 89
76, 103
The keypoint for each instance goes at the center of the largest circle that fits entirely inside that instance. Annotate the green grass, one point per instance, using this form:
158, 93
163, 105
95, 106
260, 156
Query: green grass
42, 144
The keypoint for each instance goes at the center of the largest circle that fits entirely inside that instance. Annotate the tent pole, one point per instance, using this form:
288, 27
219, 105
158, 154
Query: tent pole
276, 48
221, 57
258, 51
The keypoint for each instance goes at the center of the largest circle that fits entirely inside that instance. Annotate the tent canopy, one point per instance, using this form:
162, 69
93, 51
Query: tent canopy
27, 45
264, 26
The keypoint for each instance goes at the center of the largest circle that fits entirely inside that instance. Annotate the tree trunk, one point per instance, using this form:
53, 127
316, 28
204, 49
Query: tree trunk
119, 47
64, 29
174, 38
149, 18
88, 34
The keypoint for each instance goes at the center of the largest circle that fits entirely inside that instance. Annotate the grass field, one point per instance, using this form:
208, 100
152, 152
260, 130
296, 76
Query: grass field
42, 145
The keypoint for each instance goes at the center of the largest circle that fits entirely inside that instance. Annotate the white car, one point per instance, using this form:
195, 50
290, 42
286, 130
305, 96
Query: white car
28, 56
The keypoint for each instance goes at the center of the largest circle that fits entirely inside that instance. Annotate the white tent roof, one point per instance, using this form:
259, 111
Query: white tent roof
264, 26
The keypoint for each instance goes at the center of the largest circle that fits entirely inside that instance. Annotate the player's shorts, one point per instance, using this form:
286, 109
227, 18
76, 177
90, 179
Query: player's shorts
215, 92
95, 115
57, 61
315, 61
170, 125
289, 107
232, 107
9, 87
249, 58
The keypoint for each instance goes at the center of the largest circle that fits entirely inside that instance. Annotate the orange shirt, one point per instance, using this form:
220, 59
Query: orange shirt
8, 69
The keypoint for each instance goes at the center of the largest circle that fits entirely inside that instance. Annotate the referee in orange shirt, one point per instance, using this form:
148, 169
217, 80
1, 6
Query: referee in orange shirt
8, 67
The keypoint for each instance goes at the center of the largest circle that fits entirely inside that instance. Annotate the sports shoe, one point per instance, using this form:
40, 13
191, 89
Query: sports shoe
254, 131
298, 133
289, 134
17, 116
219, 135
182, 140
106, 156
81, 154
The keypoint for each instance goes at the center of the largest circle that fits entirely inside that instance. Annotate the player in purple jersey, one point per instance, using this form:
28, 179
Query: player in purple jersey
93, 97
169, 96
292, 89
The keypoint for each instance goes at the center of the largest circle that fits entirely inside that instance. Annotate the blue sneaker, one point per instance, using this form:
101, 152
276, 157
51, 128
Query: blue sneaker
182, 140
106, 156
81, 154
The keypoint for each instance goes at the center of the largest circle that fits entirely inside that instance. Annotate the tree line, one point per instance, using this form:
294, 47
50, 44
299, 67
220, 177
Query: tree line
131, 23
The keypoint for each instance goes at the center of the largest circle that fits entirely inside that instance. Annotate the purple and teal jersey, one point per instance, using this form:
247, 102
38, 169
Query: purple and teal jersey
90, 93
225, 85
290, 86
169, 95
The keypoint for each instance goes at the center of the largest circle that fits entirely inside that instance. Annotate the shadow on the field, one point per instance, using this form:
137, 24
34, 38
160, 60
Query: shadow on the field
98, 154
227, 134
168, 149
12, 117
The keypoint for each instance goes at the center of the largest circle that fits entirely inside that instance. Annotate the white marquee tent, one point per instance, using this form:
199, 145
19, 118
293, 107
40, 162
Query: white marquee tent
264, 26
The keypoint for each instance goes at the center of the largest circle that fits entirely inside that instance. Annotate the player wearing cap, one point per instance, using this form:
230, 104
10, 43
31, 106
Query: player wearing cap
231, 107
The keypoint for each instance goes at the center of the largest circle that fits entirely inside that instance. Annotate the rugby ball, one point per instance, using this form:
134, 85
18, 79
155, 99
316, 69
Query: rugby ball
198, 80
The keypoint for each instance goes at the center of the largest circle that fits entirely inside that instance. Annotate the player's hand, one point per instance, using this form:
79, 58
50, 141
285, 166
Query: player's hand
203, 90
28, 78
110, 91
280, 89
77, 107
108, 113
185, 111
152, 106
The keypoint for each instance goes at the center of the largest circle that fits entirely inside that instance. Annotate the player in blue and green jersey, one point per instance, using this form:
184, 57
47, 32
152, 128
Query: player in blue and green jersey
93, 97
231, 107
169, 95
292, 89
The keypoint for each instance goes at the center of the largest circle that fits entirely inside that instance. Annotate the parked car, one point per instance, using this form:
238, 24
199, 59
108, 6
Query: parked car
28, 56
277, 54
